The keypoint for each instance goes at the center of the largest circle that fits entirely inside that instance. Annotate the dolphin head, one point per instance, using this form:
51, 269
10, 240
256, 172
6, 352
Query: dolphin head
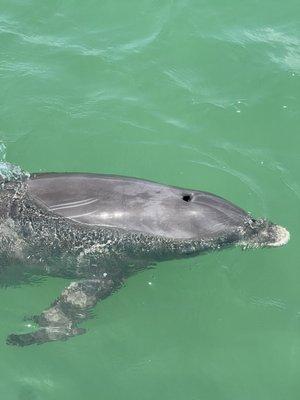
136, 205
212, 219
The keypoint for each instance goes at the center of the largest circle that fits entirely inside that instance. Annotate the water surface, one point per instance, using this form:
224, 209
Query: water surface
201, 94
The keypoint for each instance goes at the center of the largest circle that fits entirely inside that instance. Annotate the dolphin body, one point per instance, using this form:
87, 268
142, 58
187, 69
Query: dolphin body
100, 229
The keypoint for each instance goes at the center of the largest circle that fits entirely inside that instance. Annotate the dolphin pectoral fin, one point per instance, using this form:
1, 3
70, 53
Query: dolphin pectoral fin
59, 322
43, 335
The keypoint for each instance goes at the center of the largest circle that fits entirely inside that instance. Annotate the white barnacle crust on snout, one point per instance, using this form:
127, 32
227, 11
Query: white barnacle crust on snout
261, 233
282, 236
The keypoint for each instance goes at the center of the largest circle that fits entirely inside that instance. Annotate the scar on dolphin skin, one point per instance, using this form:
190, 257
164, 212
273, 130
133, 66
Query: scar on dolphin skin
100, 229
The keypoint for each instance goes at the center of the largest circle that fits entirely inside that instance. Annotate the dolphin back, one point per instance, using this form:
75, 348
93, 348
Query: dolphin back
136, 205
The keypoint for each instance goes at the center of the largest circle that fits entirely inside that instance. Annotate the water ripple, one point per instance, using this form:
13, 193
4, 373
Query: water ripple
25, 68
200, 93
261, 35
108, 51
288, 180
248, 181
276, 39
269, 302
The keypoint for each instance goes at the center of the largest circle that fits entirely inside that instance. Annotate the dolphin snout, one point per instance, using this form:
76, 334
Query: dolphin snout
263, 233
278, 236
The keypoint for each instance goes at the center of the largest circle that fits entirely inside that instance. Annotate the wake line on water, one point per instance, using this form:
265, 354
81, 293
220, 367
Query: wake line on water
216, 163
292, 185
265, 158
201, 92
266, 35
242, 177
110, 52
276, 39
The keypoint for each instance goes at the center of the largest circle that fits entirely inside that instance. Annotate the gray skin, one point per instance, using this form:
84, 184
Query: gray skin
100, 229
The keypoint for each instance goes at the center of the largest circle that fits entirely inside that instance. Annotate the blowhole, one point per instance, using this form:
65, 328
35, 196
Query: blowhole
187, 197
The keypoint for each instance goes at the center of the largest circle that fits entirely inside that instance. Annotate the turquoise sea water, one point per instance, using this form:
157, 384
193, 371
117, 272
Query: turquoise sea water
201, 94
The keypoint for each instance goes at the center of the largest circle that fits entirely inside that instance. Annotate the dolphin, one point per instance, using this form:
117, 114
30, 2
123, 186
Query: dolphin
100, 229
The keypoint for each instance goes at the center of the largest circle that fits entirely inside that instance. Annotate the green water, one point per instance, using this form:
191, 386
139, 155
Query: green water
201, 94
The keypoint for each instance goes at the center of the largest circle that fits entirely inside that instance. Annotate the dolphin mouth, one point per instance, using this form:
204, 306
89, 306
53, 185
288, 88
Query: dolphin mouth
281, 236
